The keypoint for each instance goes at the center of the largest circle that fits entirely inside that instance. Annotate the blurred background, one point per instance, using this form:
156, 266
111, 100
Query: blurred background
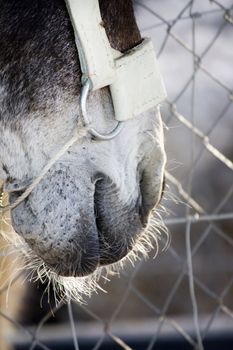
183, 297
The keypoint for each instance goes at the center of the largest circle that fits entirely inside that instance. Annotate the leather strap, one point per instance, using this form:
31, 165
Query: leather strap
94, 50
134, 77
138, 85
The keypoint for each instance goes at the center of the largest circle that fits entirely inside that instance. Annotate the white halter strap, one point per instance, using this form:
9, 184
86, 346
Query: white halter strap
134, 78
95, 53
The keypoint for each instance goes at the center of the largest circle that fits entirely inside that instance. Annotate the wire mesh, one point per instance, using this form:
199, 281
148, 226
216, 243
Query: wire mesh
194, 278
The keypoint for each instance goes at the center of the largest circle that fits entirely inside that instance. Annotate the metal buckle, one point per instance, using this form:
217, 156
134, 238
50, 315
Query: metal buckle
83, 101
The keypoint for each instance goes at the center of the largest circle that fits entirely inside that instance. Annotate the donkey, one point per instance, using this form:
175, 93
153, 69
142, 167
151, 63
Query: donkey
92, 209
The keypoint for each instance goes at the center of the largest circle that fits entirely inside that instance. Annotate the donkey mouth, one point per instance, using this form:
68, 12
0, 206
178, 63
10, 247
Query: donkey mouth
86, 263
96, 252
106, 245
114, 232
77, 247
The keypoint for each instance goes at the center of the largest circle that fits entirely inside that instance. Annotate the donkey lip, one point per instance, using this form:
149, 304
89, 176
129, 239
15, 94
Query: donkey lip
114, 250
113, 255
65, 270
83, 266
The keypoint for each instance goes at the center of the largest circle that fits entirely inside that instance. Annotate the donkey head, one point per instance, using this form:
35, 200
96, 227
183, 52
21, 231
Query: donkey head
92, 208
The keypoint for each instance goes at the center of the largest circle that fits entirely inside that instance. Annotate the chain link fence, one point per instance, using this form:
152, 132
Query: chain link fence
184, 298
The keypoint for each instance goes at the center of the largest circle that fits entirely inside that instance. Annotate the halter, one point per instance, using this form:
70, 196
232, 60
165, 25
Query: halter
133, 78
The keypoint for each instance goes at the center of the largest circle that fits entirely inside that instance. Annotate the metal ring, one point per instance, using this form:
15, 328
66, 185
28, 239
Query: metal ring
83, 101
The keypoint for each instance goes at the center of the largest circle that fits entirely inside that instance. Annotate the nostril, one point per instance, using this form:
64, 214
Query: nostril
141, 210
152, 191
144, 215
97, 178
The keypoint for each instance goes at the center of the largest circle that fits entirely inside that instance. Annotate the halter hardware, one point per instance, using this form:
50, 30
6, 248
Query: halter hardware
83, 102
